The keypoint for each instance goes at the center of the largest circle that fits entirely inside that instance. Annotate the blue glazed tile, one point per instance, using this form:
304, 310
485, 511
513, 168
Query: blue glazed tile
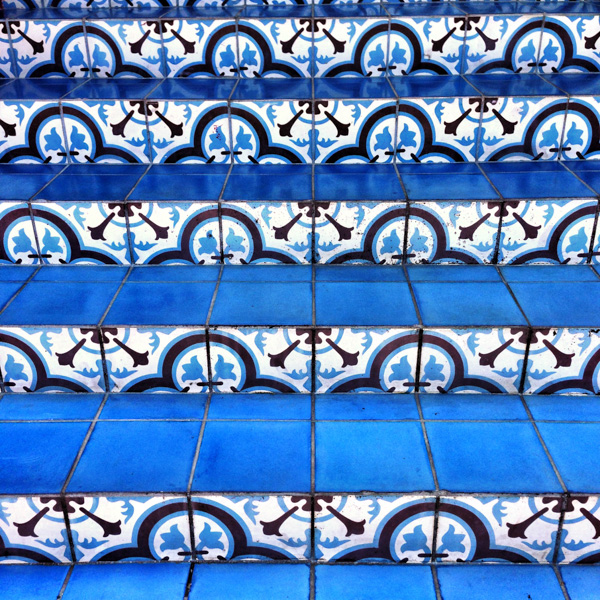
575, 84
254, 457
456, 273
32, 582
368, 582
472, 406
276, 12
15, 273
525, 273
77, 187
419, 87
430, 185
153, 406
37, 457
8, 289
352, 303
581, 583
364, 407
357, 456
589, 172
128, 581
490, 457
161, 303
357, 182
282, 185
38, 89
174, 273
423, 9
188, 186
352, 87
564, 408
273, 89
21, 182
49, 406
137, 457
358, 273
485, 7
259, 406
113, 89
200, 89
249, 582
274, 273
80, 273
513, 85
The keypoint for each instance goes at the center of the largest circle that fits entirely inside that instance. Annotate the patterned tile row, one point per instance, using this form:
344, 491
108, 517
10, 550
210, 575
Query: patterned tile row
279, 359
394, 529
372, 45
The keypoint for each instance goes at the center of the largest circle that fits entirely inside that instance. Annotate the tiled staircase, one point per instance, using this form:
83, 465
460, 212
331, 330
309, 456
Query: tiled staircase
317, 291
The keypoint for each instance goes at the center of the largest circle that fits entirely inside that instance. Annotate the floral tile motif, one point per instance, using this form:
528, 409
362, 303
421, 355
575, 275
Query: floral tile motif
33, 530
106, 131
31, 132
579, 541
272, 132
8, 67
174, 232
57, 359
49, 48
431, 46
522, 128
386, 528
582, 129
275, 359
95, 4
18, 241
596, 248
358, 232
144, 528
365, 360
192, 132
275, 47
570, 44
267, 232
200, 47
350, 47
82, 232
252, 527
563, 361
126, 48
517, 529
354, 131
452, 232
169, 359
487, 360
502, 44
437, 129
548, 232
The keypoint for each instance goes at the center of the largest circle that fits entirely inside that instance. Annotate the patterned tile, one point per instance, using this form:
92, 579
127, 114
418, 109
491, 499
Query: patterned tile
382, 528
515, 529
275, 359
33, 530
563, 361
581, 138
579, 542
144, 528
7, 55
18, 241
95, 4
486, 360
452, 232
44, 359
252, 527
548, 232
366, 360
358, 232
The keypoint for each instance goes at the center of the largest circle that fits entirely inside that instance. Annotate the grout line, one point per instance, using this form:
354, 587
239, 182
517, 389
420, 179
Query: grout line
427, 444
514, 297
110, 304
25, 283
559, 531
188, 585
65, 582
413, 296
312, 582
219, 201
561, 582
214, 298
436, 582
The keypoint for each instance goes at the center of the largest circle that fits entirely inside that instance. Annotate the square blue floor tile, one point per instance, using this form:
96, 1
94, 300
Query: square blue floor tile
35, 458
152, 406
272, 184
128, 581
531, 273
574, 448
254, 457
374, 582
137, 456
383, 456
564, 408
459, 273
490, 457
416, 86
16, 273
31, 582
69, 273
250, 582
353, 87
259, 406
198, 89
472, 407
510, 84
113, 89
275, 273
359, 273
365, 407
179, 184
21, 182
273, 89
174, 273
101, 187
357, 182
49, 406
581, 581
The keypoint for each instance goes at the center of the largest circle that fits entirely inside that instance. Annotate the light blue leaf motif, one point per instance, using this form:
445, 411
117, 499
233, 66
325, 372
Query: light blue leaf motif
391, 244
243, 141
99, 58
251, 510
321, 542
550, 52
550, 137
578, 242
418, 242
452, 541
174, 540
235, 243
209, 539
224, 370
528, 53
78, 140
76, 57
51, 244
417, 540
499, 510
259, 341
227, 57
217, 139
207, 244
432, 371
401, 371
398, 55
22, 243
383, 140
407, 137
13, 371
249, 56
574, 135
193, 371
376, 57
53, 140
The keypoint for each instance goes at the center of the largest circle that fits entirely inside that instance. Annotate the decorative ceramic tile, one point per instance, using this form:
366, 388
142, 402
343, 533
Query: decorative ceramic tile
192, 132
579, 542
252, 527
31, 132
366, 360
381, 528
106, 131
200, 47
547, 232
426, 46
350, 47
7, 55
563, 361
354, 131
168, 359
497, 529
95, 4
596, 248
452, 232
501, 44
266, 359
82, 232
18, 240
125, 48
272, 132
487, 360
437, 129
32, 530
582, 129
144, 528
275, 48
521, 128
49, 48
174, 233
358, 232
